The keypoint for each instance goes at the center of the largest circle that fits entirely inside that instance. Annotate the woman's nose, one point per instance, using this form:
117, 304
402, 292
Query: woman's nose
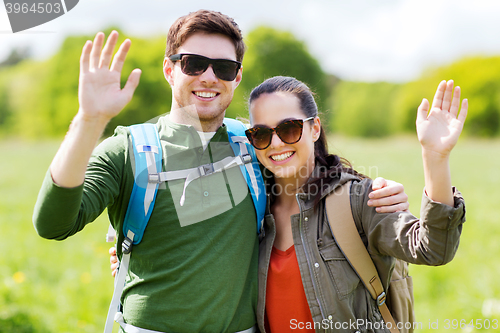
276, 140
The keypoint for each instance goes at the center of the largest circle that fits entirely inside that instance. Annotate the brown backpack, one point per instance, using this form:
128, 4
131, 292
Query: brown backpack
395, 305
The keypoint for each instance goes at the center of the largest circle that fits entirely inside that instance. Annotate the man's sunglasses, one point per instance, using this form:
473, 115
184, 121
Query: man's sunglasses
289, 131
194, 65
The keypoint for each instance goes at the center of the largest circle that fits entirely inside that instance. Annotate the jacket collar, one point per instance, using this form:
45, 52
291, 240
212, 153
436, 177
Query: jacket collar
308, 199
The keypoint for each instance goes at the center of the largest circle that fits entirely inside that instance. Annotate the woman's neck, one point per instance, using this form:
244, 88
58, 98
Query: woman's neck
285, 189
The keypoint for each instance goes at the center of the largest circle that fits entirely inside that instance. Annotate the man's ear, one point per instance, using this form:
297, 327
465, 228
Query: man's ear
239, 76
168, 69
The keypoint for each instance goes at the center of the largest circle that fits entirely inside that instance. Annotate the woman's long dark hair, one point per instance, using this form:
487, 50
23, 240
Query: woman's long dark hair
331, 165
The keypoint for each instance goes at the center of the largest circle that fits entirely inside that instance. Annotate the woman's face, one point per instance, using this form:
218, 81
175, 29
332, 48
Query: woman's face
285, 160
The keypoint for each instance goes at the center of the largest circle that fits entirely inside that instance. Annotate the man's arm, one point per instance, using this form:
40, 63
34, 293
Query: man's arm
101, 98
58, 211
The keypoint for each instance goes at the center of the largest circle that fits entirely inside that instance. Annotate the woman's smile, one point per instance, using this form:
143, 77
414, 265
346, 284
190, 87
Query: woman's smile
281, 158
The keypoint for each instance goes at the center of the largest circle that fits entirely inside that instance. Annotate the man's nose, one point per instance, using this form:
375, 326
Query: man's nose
209, 75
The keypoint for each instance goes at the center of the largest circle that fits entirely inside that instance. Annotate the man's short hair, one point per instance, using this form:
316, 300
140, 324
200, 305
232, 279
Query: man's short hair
204, 21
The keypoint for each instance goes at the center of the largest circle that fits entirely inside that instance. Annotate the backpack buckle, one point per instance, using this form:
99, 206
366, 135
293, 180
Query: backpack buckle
246, 158
154, 178
206, 169
381, 299
127, 246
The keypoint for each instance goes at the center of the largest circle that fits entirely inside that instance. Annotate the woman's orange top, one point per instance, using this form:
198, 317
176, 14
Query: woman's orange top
286, 302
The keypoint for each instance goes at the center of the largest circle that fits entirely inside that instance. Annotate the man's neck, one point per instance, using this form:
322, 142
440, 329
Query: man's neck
180, 116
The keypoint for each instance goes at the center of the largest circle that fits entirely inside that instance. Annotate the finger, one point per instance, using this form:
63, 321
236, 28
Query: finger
391, 188
422, 111
107, 52
113, 269
96, 50
85, 57
402, 207
132, 83
448, 93
112, 251
463, 112
388, 201
438, 97
456, 102
120, 56
378, 183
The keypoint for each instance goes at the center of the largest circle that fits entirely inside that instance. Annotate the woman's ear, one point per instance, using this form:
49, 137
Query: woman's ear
316, 129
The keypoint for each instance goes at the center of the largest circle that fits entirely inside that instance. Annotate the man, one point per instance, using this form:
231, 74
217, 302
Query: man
196, 267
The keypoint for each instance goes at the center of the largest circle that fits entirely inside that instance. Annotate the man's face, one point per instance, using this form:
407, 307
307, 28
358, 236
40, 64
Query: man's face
203, 98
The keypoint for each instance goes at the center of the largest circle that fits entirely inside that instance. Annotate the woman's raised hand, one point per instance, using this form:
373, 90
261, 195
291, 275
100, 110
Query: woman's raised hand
439, 129
99, 91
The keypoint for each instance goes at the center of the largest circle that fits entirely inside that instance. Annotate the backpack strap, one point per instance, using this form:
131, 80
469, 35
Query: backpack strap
147, 177
148, 158
244, 157
251, 171
345, 233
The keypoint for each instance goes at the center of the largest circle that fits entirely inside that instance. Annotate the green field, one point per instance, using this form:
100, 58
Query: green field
48, 286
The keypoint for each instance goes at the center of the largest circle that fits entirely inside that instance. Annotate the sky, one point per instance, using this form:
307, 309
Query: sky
360, 40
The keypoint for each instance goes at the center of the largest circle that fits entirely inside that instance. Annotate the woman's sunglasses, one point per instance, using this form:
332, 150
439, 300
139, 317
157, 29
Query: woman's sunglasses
194, 65
289, 131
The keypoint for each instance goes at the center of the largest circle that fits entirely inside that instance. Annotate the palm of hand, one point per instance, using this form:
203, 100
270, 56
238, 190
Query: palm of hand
100, 94
439, 130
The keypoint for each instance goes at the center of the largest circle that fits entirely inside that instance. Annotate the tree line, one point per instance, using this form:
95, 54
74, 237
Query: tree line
39, 98
381, 109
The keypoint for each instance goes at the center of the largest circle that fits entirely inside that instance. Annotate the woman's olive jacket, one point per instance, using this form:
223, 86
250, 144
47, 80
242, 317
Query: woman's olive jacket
337, 298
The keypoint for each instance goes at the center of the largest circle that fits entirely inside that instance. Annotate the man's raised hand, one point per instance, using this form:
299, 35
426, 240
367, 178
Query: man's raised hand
100, 94
101, 98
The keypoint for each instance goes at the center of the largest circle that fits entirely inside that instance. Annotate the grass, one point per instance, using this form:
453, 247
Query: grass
49, 286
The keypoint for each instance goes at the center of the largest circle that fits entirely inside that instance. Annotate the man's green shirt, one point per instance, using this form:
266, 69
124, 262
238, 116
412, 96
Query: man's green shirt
196, 267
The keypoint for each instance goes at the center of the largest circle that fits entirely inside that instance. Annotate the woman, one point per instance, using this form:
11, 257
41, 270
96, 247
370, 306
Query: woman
303, 275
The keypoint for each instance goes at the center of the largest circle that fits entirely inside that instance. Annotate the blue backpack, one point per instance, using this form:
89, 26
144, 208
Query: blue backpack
148, 156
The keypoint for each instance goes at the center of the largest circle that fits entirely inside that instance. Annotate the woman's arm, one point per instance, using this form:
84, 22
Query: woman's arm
438, 132
431, 240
